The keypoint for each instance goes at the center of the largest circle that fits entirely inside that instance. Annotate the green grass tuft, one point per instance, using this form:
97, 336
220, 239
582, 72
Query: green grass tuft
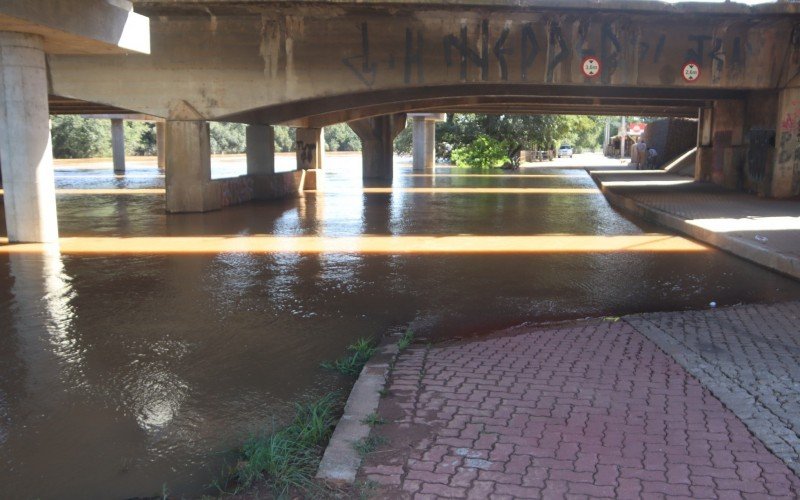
373, 419
368, 445
405, 340
288, 457
361, 350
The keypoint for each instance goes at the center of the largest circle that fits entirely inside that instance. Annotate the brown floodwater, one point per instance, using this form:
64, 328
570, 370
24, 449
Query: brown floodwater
150, 345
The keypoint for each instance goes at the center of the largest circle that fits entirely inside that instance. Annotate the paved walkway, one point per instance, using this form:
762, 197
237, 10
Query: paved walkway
586, 409
761, 230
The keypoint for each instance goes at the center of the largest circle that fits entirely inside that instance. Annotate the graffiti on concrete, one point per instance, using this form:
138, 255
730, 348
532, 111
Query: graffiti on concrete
478, 47
306, 153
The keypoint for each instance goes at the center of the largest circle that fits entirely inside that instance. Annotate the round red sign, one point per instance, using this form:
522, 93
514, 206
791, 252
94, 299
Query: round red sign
691, 71
591, 66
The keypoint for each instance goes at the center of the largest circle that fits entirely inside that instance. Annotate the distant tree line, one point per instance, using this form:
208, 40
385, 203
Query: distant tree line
77, 137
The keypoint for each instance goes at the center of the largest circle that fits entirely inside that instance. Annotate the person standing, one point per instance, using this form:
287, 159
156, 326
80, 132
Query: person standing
640, 151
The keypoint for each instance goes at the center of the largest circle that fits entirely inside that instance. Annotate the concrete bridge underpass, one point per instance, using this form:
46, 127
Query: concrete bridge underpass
316, 63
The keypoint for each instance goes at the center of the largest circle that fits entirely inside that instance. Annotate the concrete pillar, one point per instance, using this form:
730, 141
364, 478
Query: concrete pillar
118, 145
188, 172
310, 144
25, 148
162, 162
786, 170
423, 137
377, 144
260, 149
702, 165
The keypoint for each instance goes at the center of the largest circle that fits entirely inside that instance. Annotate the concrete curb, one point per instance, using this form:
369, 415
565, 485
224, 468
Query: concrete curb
744, 249
341, 461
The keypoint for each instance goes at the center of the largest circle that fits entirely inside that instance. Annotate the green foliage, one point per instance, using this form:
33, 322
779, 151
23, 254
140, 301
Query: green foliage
284, 139
340, 137
405, 340
368, 444
361, 350
228, 137
403, 143
483, 152
373, 419
76, 137
288, 458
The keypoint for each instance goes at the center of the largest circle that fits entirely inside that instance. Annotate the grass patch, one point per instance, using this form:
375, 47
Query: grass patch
287, 458
368, 445
373, 419
362, 349
405, 340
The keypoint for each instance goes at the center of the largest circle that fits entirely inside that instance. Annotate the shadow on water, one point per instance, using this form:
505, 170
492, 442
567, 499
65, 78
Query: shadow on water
120, 372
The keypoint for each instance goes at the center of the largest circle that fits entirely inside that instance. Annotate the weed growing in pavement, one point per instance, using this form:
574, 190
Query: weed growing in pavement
405, 340
373, 419
368, 444
287, 458
362, 349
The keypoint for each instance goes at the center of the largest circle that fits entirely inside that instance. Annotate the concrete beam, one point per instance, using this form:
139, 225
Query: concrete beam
118, 145
310, 147
79, 26
260, 149
188, 172
26, 156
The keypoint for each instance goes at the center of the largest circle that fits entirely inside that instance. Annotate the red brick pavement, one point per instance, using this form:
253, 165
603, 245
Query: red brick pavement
589, 409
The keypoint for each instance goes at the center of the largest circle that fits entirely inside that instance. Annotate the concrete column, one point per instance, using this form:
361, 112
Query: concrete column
25, 148
786, 170
702, 165
423, 137
260, 149
118, 145
162, 162
310, 144
188, 172
377, 144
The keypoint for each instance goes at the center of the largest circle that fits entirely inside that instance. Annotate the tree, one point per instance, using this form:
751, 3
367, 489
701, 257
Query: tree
77, 137
483, 152
284, 139
227, 138
340, 137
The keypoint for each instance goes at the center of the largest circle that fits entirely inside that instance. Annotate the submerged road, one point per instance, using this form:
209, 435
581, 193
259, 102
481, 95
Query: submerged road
126, 369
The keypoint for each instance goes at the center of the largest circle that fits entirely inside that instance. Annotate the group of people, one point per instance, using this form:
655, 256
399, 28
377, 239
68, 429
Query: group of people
643, 158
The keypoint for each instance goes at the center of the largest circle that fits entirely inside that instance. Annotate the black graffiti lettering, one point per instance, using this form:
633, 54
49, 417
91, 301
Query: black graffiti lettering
368, 69
583, 32
609, 41
716, 53
466, 53
659, 48
306, 153
786, 153
644, 48
500, 53
696, 54
736, 52
530, 49
556, 37
413, 57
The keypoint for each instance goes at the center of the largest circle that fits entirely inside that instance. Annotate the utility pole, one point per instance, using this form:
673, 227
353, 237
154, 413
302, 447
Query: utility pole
607, 135
623, 134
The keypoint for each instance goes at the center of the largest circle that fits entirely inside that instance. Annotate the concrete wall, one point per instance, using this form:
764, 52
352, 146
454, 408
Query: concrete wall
670, 137
295, 62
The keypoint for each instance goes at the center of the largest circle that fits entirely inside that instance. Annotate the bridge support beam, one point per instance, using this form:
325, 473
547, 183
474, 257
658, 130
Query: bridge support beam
188, 173
26, 156
260, 149
721, 152
377, 144
786, 173
118, 145
162, 162
310, 144
424, 139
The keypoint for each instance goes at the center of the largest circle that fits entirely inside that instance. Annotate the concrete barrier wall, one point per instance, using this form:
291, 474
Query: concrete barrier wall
245, 188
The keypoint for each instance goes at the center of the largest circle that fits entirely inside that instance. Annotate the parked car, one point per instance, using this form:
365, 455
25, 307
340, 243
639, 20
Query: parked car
565, 151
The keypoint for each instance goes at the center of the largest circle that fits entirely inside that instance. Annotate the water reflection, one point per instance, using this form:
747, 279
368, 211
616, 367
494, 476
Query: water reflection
152, 343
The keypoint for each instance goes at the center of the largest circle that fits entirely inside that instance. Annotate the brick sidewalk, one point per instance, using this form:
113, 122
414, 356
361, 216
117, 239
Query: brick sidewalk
591, 409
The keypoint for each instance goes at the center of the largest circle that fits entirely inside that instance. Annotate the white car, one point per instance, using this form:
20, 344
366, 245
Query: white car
565, 151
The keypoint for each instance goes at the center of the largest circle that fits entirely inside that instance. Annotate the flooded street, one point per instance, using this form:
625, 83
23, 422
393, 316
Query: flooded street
127, 372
